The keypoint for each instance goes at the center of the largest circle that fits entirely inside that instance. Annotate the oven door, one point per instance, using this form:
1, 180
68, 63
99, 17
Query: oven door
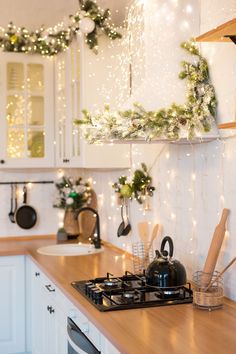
77, 340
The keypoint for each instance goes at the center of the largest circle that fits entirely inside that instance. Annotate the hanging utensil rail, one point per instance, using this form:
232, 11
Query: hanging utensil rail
26, 182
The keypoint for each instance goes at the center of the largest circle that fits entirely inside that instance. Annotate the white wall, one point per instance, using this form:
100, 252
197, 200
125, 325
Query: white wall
194, 183
40, 196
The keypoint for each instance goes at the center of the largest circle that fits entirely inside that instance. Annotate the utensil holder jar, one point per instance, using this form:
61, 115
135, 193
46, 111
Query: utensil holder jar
143, 255
211, 299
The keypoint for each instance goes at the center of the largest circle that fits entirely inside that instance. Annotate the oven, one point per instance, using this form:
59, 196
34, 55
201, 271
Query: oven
78, 342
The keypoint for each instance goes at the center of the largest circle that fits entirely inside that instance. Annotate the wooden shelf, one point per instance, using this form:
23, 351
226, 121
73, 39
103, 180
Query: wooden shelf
218, 34
230, 125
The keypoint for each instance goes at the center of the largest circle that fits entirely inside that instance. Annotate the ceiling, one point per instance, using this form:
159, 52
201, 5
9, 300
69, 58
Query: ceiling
34, 13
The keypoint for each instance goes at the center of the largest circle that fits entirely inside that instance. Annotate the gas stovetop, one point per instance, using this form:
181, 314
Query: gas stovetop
130, 291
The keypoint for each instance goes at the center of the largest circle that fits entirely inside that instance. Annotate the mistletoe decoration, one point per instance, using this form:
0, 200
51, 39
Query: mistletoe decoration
50, 41
72, 194
137, 123
139, 187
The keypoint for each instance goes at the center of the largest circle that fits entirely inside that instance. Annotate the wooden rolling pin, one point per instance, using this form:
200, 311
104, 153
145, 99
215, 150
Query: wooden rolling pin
214, 249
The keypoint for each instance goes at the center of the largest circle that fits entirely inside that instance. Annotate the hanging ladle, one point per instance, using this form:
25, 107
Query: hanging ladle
127, 228
122, 224
124, 228
11, 213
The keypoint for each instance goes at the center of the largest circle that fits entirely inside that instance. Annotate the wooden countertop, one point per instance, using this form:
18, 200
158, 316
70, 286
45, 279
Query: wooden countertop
180, 329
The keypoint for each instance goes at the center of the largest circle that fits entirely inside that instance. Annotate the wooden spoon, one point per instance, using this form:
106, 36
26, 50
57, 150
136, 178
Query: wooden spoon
219, 275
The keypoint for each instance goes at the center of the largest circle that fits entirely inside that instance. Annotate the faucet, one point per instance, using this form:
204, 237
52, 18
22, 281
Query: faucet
96, 240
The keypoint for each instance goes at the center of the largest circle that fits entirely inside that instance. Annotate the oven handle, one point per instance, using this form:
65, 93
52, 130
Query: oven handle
78, 340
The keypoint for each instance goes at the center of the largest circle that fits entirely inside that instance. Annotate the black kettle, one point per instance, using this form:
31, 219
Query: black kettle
164, 272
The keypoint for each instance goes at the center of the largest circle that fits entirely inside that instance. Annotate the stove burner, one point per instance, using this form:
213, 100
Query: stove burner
112, 282
130, 291
128, 296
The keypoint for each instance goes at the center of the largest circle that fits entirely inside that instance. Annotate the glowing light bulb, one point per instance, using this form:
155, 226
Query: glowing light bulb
189, 9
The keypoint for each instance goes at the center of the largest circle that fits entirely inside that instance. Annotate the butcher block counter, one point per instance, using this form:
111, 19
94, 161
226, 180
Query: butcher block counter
179, 329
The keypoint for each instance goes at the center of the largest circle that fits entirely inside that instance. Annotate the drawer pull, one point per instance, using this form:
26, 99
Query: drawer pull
37, 274
49, 288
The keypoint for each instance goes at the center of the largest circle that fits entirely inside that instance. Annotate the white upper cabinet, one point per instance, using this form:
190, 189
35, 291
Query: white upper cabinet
67, 103
27, 111
77, 88
42, 97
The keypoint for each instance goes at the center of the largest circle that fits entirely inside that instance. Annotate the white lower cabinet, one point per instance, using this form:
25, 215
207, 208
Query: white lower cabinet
12, 304
48, 324
107, 347
50, 310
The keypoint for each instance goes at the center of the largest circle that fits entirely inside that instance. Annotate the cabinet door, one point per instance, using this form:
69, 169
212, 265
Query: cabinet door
37, 311
48, 317
107, 347
99, 87
67, 102
26, 106
12, 305
60, 330
76, 88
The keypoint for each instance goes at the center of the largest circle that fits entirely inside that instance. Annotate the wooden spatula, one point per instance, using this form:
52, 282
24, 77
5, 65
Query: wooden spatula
143, 231
155, 231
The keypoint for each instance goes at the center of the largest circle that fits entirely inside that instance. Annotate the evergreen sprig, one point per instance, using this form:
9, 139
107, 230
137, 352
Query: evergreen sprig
139, 188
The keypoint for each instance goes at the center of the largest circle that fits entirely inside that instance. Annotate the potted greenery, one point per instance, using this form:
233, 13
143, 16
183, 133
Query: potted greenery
73, 194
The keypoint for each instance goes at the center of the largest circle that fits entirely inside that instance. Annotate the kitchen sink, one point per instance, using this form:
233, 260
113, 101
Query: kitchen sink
65, 249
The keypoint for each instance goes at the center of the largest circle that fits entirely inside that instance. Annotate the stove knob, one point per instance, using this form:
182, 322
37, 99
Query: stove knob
97, 296
90, 290
86, 286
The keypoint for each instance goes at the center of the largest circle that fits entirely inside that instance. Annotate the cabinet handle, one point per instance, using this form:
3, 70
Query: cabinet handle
50, 309
37, 274
66, 160
2, 161
49, 288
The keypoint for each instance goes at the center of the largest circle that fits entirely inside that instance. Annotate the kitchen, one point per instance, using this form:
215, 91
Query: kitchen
193, 182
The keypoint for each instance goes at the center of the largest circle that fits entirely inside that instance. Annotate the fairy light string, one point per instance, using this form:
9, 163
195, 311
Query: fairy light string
90, 20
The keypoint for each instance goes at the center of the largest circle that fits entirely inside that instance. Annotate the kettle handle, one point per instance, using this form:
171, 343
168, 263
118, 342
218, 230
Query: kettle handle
171, 245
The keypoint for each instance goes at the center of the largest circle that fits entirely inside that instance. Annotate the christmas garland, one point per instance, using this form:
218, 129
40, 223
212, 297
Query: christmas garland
89, 19
195, 115
138, 188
